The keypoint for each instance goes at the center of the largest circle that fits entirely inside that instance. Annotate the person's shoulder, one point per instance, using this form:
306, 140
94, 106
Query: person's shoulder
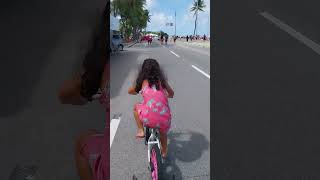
145, 82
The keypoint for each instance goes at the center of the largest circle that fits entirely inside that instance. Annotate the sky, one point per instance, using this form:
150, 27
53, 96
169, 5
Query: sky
162, 11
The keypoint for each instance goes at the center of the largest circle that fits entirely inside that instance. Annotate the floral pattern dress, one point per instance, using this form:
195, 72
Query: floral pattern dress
154, 110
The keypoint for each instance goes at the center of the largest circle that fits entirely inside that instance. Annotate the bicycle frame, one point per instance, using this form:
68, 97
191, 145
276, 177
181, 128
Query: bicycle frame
153, 139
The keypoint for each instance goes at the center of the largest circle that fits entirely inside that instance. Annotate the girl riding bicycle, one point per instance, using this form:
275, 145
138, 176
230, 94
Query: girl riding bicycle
154, 111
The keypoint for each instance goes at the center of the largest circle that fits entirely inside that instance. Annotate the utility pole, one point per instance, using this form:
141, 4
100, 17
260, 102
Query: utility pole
175, 23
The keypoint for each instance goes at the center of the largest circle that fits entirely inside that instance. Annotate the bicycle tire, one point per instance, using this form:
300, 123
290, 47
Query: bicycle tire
155, 162
147, 135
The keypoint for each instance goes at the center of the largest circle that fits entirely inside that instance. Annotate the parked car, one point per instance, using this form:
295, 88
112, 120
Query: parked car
155, 38
117, 42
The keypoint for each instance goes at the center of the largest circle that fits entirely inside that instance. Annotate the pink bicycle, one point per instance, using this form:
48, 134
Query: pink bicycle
155, 161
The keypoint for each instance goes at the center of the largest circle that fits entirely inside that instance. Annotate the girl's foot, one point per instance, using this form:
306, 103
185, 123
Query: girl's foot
164, 153
140, 133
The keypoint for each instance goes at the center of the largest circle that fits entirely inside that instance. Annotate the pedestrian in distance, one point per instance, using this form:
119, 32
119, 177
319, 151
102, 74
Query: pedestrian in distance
154, 110
161, 38
166, 39
149, 40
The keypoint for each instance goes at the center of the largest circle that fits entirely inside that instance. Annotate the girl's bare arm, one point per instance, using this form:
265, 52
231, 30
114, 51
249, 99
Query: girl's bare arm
69, 92
169, 90
132, 91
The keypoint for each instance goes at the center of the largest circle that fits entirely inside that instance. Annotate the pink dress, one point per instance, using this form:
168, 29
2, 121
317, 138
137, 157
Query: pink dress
154, 110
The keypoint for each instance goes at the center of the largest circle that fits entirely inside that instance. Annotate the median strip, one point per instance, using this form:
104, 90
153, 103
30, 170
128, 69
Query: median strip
202, 72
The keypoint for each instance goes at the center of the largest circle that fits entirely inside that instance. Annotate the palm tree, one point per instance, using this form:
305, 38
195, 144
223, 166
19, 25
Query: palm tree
198, 5
133, 15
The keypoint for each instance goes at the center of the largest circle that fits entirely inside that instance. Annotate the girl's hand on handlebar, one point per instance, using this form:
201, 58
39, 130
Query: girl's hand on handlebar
132, 91
169, 96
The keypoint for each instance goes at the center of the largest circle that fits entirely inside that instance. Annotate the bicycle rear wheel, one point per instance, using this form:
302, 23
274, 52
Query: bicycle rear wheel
155, 162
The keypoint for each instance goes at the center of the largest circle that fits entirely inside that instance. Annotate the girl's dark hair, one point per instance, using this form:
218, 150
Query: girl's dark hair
151, 71
96, 58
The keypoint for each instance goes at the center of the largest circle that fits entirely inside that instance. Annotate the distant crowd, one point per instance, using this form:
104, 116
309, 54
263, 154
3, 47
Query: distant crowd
196, 37
165, 37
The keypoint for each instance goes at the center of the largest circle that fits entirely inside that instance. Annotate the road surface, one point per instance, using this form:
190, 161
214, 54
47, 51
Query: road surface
267, 91
188, 72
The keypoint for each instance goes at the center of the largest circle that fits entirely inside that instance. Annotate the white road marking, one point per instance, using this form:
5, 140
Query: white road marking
308, 42
205, 74
175, 54
113, 129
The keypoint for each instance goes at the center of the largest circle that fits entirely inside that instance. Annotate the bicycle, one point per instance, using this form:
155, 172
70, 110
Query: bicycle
155, 160
152, 140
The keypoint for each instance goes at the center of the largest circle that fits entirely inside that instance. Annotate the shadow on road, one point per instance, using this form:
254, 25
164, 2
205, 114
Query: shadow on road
185, 147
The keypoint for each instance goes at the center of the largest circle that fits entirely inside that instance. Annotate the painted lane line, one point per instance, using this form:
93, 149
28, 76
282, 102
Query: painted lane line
113, 129
308, 42
175, 54
205, 74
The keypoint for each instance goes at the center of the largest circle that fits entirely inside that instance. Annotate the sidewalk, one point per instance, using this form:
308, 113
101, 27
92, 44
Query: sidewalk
198, 43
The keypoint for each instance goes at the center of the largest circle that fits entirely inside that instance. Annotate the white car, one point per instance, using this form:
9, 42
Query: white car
116, 42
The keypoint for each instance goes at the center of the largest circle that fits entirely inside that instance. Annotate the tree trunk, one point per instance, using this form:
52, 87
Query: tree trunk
135, 33
195, 24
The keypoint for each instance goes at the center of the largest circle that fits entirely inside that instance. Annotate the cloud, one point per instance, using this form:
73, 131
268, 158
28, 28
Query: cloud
150, 4
158, 21
185, 18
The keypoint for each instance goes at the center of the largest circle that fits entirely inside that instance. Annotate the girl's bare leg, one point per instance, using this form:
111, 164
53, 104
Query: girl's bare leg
140, 133
164, 145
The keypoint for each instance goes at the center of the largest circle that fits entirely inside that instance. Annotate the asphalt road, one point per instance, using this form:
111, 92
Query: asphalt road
189, 137
42, 44
266, 124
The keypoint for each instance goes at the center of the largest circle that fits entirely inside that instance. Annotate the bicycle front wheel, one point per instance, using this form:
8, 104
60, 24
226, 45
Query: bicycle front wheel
155, 162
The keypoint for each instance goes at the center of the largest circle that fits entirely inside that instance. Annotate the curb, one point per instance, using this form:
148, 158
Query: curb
130, 45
